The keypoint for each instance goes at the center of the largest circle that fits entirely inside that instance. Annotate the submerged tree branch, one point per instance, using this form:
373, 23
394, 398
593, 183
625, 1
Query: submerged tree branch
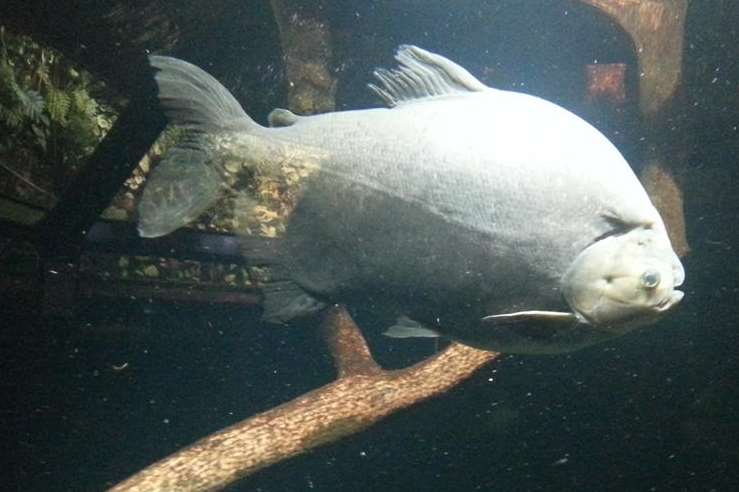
362, 395
307, 50
657, 29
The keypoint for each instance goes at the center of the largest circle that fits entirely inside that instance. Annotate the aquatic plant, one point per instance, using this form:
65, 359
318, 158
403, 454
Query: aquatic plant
50, 119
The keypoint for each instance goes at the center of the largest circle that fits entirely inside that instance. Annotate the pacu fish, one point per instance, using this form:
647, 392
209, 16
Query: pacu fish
495, 218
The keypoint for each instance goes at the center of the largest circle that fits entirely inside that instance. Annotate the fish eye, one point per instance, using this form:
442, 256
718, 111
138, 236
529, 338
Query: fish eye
650, 279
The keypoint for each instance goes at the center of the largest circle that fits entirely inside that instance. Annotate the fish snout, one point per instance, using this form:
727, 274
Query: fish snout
670, 301
678, 273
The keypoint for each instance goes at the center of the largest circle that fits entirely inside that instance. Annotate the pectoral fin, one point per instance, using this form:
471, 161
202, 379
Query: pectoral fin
554, 317
538, 332
285, 301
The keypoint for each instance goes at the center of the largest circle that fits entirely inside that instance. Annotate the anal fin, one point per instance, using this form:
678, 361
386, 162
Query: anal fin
285, 301
408, 328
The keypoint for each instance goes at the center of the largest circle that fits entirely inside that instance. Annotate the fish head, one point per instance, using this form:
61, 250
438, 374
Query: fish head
625, 280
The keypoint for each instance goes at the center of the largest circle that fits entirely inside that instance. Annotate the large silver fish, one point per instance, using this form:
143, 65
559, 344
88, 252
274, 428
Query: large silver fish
494, 218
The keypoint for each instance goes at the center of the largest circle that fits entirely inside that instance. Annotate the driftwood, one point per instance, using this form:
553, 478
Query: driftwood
664, 190
363, 394
657, 30
306, 52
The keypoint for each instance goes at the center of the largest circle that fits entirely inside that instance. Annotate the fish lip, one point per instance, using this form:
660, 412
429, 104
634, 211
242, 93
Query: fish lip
668, 302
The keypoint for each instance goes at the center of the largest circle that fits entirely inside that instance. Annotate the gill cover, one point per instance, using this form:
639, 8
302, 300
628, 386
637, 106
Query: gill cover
624, 280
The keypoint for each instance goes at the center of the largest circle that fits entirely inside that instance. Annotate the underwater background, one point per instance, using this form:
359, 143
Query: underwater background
654, 410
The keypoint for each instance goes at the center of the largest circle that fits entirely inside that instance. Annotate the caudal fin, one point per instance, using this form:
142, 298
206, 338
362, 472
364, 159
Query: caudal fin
192, 98
186, 182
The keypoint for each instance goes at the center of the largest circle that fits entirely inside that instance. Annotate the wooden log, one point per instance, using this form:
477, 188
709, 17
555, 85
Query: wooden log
656, 27
657, 30
606, 82
306, 46
663, 189
363, 394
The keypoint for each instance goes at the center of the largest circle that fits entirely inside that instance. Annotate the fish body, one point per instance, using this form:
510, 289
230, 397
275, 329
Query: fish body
496, 218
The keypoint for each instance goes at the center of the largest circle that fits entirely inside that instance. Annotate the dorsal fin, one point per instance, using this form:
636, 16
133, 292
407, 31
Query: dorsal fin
422, 74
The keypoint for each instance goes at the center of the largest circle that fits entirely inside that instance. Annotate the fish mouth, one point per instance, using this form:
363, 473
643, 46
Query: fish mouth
678, 274
668, 302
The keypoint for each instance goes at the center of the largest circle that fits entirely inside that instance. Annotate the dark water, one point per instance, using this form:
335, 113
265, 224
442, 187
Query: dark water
656, 410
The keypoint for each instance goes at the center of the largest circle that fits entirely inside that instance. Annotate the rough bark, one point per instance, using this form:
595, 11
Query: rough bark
306, 46
656, 27
663, 189
657, 30
363, 394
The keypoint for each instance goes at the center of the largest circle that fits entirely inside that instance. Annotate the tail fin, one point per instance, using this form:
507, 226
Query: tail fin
186, 183
192, 98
